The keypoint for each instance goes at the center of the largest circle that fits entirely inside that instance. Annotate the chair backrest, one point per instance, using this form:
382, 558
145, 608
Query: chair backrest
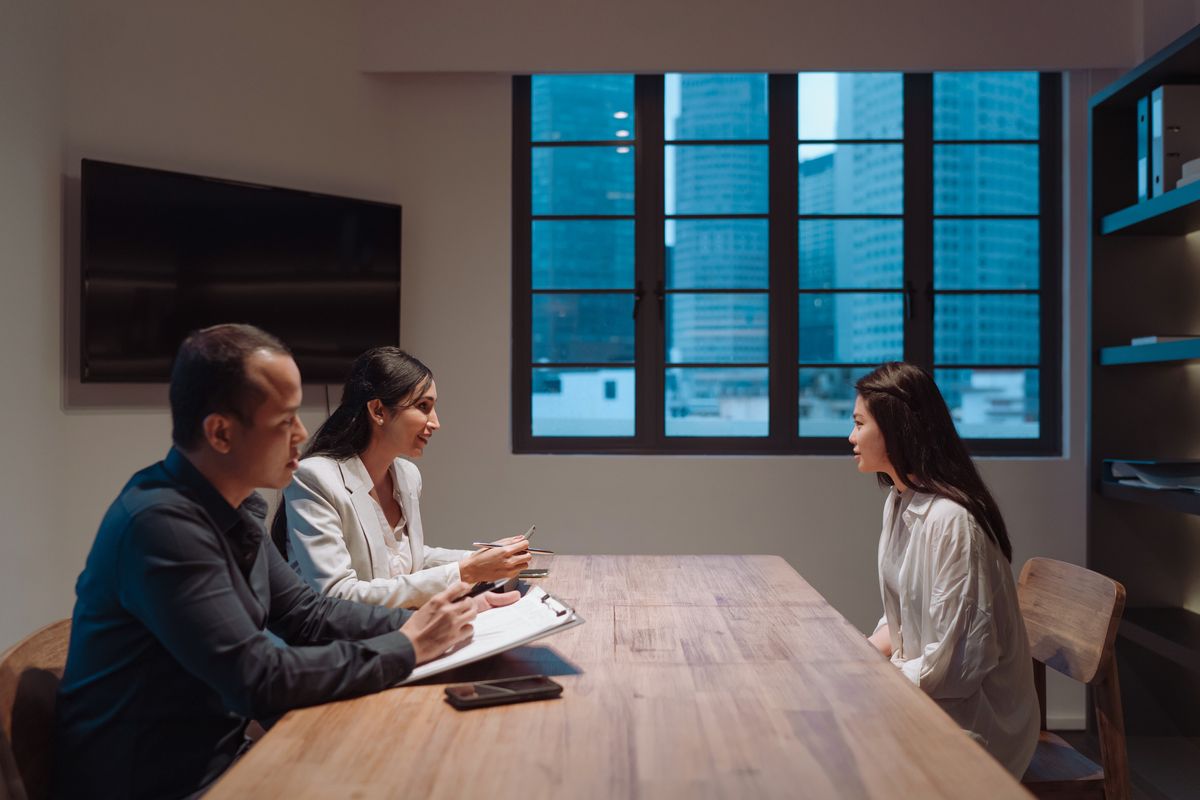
1071, 615
29, 675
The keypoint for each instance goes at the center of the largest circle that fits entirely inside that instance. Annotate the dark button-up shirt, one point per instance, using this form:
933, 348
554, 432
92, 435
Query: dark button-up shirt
169, 655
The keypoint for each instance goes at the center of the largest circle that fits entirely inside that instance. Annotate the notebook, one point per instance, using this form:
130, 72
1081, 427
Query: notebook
534, 616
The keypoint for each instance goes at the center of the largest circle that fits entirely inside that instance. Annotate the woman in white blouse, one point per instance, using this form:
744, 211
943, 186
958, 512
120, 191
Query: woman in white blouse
951, 619
350, 520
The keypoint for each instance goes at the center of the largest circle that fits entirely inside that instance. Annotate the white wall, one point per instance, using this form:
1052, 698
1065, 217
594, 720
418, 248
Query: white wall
762, 35
272, 92
35, 585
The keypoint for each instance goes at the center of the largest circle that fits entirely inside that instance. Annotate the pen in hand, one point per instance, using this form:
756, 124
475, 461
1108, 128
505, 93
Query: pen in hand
535, 550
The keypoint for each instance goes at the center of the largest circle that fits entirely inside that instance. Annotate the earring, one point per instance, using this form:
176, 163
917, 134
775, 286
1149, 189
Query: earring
379, 420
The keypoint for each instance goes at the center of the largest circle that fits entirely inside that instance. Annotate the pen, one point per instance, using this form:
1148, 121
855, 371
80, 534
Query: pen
535, 550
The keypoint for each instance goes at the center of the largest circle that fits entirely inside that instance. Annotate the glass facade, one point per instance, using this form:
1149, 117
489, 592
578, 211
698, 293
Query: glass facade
851, 307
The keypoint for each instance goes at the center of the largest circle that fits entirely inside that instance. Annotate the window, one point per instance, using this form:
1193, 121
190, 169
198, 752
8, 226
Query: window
707, 262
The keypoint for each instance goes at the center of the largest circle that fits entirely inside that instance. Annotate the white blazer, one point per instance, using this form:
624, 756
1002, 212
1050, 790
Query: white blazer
336, 541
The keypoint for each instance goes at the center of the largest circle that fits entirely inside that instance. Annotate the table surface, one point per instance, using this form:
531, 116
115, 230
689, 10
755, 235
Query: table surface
693, 676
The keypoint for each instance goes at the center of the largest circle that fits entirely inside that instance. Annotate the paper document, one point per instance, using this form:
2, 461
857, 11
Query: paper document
1157, 474
535, 615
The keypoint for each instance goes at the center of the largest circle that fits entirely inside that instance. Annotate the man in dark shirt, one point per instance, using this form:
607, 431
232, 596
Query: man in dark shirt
169, 656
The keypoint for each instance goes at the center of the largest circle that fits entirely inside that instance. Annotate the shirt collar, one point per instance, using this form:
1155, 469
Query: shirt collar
203, 492
918, 505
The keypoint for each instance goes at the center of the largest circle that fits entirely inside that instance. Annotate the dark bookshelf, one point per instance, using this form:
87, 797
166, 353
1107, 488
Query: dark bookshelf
1181, 500
1173, 633
1173, 213
1184, 350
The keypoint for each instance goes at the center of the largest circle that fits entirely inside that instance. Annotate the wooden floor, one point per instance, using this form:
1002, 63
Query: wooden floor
692, 677
1162, 767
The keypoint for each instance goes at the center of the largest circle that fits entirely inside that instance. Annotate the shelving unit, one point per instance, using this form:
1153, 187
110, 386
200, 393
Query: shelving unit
1150, 353
1145, 404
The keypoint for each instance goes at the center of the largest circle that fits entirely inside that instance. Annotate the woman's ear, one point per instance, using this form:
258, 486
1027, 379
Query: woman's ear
375, 410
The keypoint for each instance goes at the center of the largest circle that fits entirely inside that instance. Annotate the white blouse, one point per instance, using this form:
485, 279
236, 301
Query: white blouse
951, 608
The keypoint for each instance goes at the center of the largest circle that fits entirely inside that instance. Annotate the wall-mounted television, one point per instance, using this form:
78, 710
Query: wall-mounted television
164, 253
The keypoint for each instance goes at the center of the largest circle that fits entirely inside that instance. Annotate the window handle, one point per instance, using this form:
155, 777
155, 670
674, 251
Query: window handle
662, 299
637, 298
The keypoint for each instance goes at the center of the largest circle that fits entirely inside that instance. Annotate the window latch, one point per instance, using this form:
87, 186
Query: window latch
662, 299
637, 298
908, 300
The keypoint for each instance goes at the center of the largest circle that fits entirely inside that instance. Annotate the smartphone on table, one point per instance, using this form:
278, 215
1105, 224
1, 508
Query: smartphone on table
502, 691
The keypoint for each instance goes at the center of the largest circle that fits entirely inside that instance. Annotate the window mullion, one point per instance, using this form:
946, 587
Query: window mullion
522, 380
918, 218
783, 321
649, 268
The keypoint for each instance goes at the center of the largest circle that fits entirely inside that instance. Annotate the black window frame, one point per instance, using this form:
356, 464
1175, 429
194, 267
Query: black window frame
783, 304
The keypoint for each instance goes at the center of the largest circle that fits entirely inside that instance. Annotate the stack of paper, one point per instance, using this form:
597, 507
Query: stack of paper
535, 615
1157, 474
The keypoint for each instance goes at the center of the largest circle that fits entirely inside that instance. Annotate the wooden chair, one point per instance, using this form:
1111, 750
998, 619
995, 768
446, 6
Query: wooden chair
29, 674
1071, 615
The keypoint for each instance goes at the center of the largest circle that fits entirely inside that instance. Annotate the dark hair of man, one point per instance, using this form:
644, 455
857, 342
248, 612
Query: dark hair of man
209, 377
924, 446
387, 374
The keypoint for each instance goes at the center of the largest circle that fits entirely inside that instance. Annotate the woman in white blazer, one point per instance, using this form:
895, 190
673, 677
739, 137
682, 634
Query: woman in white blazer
951, 621
350, 521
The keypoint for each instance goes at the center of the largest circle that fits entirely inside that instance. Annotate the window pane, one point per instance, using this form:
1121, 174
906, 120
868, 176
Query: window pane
582, 180
985, 179
851, 327
985, 253
851, 105
717, 254
715, 179
716, 328
581, 107
582, 402
717, 402
715, 106
851, 253
985, 105
852, 179
991, 404
827, 401
583, 254
590, 328
985, 329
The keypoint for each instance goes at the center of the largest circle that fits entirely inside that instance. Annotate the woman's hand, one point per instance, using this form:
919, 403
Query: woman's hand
494, 600
882, 639
496, 563
443, 622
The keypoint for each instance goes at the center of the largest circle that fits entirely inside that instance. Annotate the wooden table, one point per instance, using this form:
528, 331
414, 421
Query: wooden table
694, 676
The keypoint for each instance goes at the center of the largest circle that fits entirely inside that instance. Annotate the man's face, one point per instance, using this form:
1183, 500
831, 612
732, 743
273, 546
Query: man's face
266, 451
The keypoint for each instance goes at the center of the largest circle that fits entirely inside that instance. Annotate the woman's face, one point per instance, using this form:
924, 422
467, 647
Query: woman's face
870, 452
407, 430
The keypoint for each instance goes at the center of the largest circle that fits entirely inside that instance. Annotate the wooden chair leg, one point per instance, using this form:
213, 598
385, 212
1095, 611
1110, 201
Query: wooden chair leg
1110, 724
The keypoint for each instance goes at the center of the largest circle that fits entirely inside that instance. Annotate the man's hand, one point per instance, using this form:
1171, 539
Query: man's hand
441, 623
494, 600
496, 563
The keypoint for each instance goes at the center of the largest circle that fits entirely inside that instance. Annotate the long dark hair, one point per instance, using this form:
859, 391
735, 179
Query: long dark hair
924, 446
387, 374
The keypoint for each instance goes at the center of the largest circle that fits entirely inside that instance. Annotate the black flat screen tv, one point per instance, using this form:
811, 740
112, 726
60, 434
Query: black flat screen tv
164, 253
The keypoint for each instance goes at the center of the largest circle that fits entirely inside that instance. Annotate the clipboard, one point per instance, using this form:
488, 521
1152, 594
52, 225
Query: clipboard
536, 615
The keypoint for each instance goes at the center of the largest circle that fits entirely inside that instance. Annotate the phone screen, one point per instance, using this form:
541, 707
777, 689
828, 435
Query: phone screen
500, 688
529, 687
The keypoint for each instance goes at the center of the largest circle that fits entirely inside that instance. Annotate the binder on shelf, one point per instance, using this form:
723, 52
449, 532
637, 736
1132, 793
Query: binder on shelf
1174, 134
1143, 154
534, 616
